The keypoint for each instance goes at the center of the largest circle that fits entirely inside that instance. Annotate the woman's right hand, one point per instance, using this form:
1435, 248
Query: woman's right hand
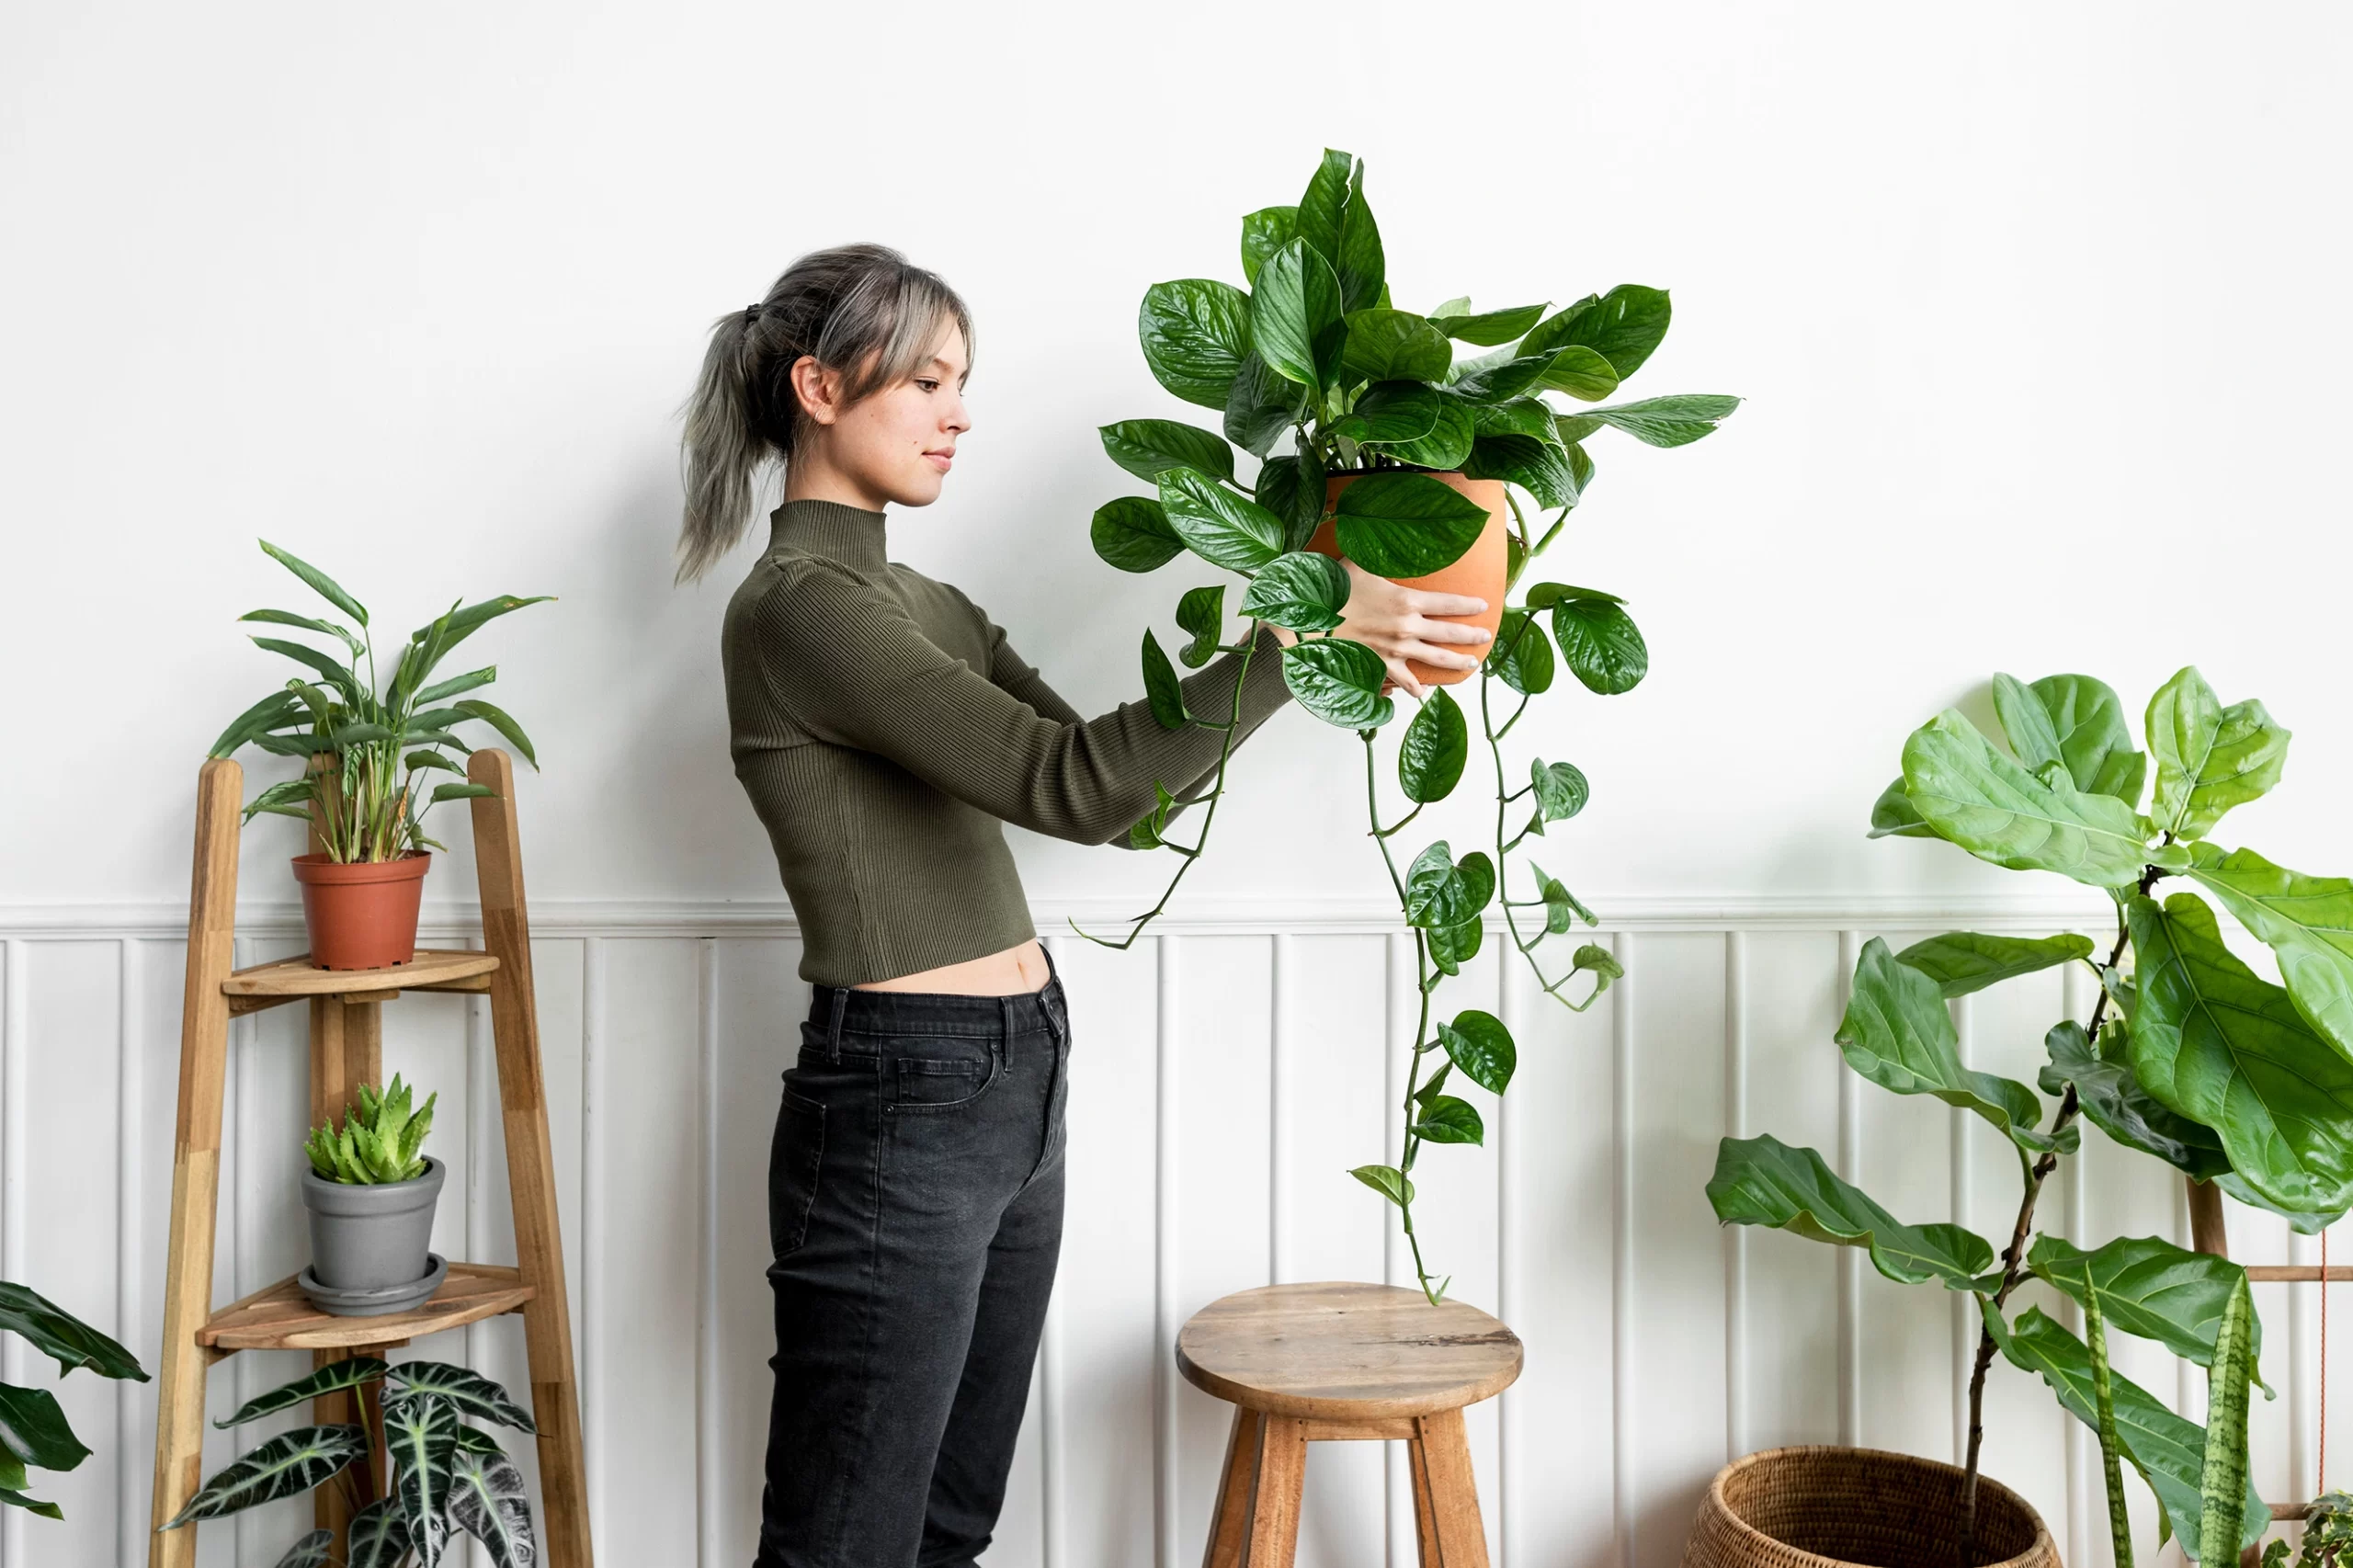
1396, 622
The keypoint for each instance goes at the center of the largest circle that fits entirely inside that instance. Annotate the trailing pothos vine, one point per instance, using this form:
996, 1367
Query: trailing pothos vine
1373, 397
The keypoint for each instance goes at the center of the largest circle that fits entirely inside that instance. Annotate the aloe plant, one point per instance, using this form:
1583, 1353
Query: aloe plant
379, 1139
1314, 349
384, 746
448, 1476
34, 1433
2188, 1056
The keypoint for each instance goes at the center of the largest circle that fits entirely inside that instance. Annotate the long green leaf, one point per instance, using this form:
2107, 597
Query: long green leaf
2223, 1478
308, 623
1898, 1034
2148, 1287
63, 1337
1148, 448
278, 708
1264, 233
1219, 527
1359, 261
2120, 1522
329, 1379
1489, 328
1447, 444
1623, 325
1385, 345
1963, 961
1406, 525
441, 690
2213, 1041
421, 1435
1324, 203
1997, 811
2306, 921
1763, 1181
497, 719
379, 1535
286, 1466
1260, 405
1298, 324
15, 1497
33, 1426
1676, 421
323, 585
1201, 611
1160, 687
336, 675
487, 1501
468, 1390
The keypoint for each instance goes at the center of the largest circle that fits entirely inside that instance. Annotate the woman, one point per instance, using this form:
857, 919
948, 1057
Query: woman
885, 730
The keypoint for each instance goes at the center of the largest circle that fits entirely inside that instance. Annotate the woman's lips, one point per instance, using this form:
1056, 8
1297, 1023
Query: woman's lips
940, 461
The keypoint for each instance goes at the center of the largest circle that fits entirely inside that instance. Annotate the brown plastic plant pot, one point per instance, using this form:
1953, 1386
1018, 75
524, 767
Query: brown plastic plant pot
362, 914
1837, 1507
1479, 572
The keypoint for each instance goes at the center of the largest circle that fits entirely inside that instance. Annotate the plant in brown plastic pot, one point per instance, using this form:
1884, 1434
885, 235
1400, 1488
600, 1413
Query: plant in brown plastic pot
371, 757
2188, 1056
1412, 464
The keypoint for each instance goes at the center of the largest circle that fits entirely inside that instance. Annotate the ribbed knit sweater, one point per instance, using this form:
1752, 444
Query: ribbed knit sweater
886, 731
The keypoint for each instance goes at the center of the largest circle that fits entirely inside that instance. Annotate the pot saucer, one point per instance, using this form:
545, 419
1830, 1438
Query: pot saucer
378, 1301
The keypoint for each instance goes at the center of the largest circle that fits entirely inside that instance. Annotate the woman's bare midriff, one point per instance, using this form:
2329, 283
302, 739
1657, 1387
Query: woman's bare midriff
1014, 971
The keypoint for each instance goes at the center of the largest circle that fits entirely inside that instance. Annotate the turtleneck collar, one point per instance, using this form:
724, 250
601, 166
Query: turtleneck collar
850, 535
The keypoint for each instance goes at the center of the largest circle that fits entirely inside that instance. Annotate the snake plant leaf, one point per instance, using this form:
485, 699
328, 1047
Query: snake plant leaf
1300, 589
2117, 1104
1297, 323
301, 1391
1202, 612
2169, 1451
2209, 757
1963, 961
2222, 1480
1387, 1180
1441, 891
1339, 682
63, 1337
467, 1389
2077, 720
1435, 745
1997, 811
309, 623
1357, 260
1392, 345
1264, 233
1521, 656
1149, 447
288, 1465
1894, 816
320, 583
379, 1535
2149, 1287
1898, 1034
33, 1428
1195, 332
1537, 466
1601, 644
1446, 1120
1260, 405
1390, 412
1133, 534
2307, 922
311, 1552
1160, 687
1219, 527
1560, 791
1763, 1181
1406, 525
1478, 1042
1489, 329
471, 680
487, 1501
1624, 325
1674, 421
2111, 1449
421, 1435
2215, 1042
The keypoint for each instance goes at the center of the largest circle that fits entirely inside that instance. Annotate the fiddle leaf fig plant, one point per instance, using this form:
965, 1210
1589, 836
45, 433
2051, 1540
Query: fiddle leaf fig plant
1315, 372
2188, 1056
372, 749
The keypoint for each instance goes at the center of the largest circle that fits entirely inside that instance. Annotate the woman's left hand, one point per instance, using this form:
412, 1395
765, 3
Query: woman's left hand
1397, 623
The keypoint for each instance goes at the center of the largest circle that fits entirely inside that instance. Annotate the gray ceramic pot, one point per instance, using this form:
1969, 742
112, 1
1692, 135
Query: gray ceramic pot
370, 1238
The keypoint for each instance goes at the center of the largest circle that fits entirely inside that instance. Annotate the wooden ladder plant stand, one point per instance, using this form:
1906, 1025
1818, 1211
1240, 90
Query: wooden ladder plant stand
1310, 1363
345, 1052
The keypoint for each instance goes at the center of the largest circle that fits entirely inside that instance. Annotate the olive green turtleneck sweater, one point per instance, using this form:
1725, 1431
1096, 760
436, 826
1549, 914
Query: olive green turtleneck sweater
885, 733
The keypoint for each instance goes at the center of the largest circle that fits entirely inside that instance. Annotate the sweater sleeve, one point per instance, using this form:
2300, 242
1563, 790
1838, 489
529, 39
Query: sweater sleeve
853, 668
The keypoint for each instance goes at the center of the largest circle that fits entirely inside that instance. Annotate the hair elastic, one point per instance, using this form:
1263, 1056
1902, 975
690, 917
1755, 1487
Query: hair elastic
751, 314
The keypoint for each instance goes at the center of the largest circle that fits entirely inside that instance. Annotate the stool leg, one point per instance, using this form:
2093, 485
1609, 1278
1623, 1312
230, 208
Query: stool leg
1446, 1498
1274, 1507
1231, 1522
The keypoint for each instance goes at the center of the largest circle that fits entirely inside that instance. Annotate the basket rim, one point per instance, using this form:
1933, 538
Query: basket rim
2042, 1543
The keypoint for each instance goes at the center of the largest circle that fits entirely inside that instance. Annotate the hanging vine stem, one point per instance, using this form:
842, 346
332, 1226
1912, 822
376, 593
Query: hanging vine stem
1504, 848
1191, 852
1424, 984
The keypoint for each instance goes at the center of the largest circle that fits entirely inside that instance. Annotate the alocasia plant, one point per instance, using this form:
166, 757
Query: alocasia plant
2188, 1055
1313, 355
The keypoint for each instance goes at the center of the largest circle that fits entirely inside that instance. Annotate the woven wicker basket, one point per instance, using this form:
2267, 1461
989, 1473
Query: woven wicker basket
1830, 1507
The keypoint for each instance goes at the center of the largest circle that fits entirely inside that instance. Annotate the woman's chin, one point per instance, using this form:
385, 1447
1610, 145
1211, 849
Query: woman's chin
919, 489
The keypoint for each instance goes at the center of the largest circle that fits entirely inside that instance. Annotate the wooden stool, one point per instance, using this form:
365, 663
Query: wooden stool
1304, 1363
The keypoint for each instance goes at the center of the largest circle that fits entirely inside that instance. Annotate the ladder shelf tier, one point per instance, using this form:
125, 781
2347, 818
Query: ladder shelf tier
281, 1317
297, 979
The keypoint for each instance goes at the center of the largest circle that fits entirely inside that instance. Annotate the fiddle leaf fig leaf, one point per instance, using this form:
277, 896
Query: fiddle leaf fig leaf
1133, 534
1194, 331
1897, 1034
2149, 1287
1160, 687
1763, 1181
2077, 720
1406, 525
1998, 811
2116, 1103
1150, 448
2215, 1042
1436, 745
1338, 681
1302, 590
1297, 324
1202, 612
2209, 757
1449, 1120
1603, 647
1478, 1043
2307, 922
1221, 528
1521, 656
1963, 961
1892, 815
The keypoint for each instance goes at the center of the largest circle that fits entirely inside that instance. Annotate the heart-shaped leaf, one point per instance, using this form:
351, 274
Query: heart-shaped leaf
1521, 656
1300, 589
1261, 405
1295, 323
1452, 946
1446, 1120
1561, 790
1561, 907
1202, 612
1537, 466
1448, 443
1390, 412
1133, 534
1219, 527
1264, 233
1160, 687
1338, 681
1406, 525
1478, 1043
1195, 330
1603, 647
1436, 745
1441, 892
1387, 1180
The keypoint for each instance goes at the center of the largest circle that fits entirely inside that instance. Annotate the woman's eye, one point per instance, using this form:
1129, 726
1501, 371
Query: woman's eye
927, 385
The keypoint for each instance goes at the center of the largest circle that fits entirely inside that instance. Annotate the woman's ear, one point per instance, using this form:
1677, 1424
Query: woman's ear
818, 389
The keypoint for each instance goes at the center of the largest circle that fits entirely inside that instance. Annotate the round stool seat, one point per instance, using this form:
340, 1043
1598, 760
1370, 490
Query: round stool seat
1345, 1352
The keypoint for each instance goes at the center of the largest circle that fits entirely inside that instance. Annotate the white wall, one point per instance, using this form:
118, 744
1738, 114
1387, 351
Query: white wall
2038, 312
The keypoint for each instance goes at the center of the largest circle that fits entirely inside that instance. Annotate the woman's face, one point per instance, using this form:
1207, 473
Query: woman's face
896, 444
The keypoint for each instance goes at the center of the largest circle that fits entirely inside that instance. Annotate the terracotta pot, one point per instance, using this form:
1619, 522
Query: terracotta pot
363, 914
1834, 1507
1480, 572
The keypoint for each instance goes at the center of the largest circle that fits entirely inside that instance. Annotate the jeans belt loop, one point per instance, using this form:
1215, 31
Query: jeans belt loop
834, 1027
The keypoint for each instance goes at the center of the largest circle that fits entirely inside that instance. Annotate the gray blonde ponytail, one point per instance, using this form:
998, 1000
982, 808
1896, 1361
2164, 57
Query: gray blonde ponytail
863, 309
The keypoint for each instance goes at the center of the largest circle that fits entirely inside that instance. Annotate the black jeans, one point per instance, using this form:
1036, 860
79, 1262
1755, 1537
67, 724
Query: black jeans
915, 1215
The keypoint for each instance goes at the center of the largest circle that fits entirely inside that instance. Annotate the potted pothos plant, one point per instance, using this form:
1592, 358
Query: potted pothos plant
1375, 441
2189, 1057
370, 1193
34, 1433
371, 749
445, 1474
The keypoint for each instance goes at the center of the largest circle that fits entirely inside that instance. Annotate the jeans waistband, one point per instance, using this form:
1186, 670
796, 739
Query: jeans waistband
840, 1009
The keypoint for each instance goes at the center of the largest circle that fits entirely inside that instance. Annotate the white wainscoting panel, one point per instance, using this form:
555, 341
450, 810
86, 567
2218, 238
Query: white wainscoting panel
1226, 1075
